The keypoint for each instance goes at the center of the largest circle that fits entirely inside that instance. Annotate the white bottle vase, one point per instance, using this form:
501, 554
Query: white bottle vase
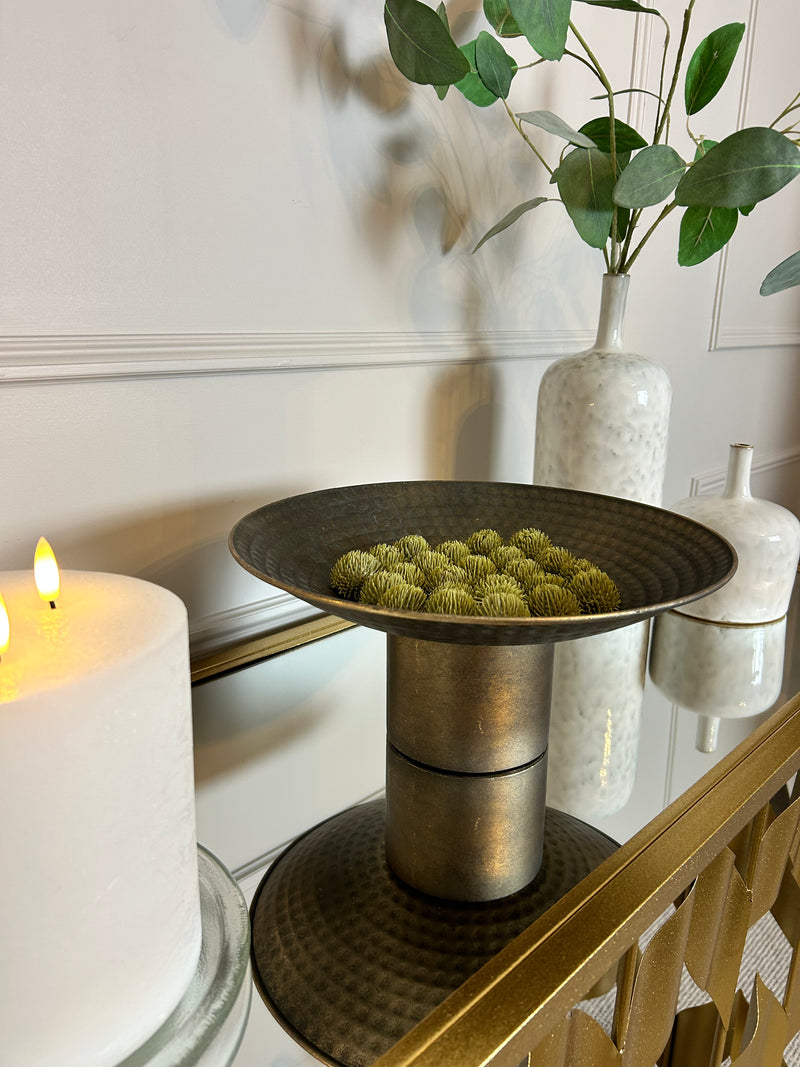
601, 426
722, 656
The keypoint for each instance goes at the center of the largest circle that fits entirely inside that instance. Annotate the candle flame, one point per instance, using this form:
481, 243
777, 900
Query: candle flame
45, 571
5, 629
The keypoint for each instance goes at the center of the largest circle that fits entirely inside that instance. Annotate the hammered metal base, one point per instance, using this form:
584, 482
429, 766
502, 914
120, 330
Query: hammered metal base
348, 959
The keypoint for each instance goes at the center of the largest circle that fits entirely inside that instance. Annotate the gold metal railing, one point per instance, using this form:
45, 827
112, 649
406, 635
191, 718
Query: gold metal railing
723, 856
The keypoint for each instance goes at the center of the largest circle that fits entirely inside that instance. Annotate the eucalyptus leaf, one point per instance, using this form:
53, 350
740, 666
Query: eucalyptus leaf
420, 44
441, 11
650, 177
742, 170
622, 5
710, 65
498, 15
510, 218
495, 66
546, 120
544, 23
472, 85
784, 276
585, 182
704, 231
627, 139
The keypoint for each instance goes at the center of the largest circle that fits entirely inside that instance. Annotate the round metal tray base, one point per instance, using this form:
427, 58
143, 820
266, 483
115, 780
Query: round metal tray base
348, 959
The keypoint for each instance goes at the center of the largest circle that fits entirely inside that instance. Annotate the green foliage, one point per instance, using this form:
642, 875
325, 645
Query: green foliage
744, 169
546, 120
498, 15
650, 177
421, 45
586, 183
495, 66
510, 218
710, 65
610, 174
472, 85
626, 138
784, 276
544, 23
704, 231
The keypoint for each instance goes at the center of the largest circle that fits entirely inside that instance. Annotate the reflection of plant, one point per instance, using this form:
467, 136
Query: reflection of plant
608, 173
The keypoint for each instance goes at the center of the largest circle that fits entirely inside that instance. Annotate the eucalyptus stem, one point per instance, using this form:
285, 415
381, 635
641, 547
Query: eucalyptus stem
663, 71
687, 18
526, 139
624, 268
612, 262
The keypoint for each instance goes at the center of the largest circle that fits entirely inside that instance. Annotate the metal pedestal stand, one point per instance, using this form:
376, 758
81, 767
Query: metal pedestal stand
372, 918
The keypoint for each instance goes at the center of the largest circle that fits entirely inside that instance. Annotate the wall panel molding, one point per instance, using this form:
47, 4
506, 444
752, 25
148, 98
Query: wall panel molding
76, 358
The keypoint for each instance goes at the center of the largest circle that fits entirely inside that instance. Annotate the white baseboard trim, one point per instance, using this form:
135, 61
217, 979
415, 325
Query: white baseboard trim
75, 358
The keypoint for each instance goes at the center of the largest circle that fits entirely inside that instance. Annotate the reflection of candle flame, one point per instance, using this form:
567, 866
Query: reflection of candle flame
5, 629
45, 572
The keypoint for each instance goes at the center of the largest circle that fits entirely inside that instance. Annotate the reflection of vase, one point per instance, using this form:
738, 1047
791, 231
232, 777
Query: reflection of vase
723, 656
601, 425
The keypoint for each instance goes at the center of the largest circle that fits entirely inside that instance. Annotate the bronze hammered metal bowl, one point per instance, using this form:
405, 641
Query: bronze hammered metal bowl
659, 560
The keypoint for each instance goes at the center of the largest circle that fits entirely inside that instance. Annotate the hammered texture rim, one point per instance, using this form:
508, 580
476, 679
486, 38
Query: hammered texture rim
348, 959
660, 560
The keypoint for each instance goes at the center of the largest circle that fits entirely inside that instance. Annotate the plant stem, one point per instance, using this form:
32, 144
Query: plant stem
626, 266
687, 17
662, 73
613, 264
526, 139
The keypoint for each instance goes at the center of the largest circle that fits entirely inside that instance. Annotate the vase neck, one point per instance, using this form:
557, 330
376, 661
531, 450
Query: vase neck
737, 481
612, 312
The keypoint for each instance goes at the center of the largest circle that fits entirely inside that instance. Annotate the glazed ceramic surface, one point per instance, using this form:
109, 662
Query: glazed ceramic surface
724, 671
767, 541
601, 424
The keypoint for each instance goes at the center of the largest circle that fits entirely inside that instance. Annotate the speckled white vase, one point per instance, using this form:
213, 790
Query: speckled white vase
722, 656
601, 426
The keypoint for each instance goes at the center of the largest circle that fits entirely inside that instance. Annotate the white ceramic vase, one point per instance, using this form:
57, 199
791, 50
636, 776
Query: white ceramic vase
601, 426
722, 656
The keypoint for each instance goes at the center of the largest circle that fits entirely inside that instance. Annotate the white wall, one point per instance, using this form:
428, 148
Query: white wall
236, 265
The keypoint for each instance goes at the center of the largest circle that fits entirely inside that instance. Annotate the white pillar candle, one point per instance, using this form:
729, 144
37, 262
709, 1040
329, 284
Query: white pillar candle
99, 899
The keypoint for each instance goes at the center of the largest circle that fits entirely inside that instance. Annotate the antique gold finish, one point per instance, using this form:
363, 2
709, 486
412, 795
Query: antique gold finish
521, 1003
465, 818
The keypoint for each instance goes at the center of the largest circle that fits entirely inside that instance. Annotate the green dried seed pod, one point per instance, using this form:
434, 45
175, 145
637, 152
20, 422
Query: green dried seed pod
450, 600
386, 554
484, 542
350, 570
596, 592
404, 597
498, 583
498, 605
478, 567
411, 545
456, 551
532, 542
431, 564
524, 569
377, 584
453, 575
553, 600
407, 570
559, 560
505, 554
585, 565
542, 578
